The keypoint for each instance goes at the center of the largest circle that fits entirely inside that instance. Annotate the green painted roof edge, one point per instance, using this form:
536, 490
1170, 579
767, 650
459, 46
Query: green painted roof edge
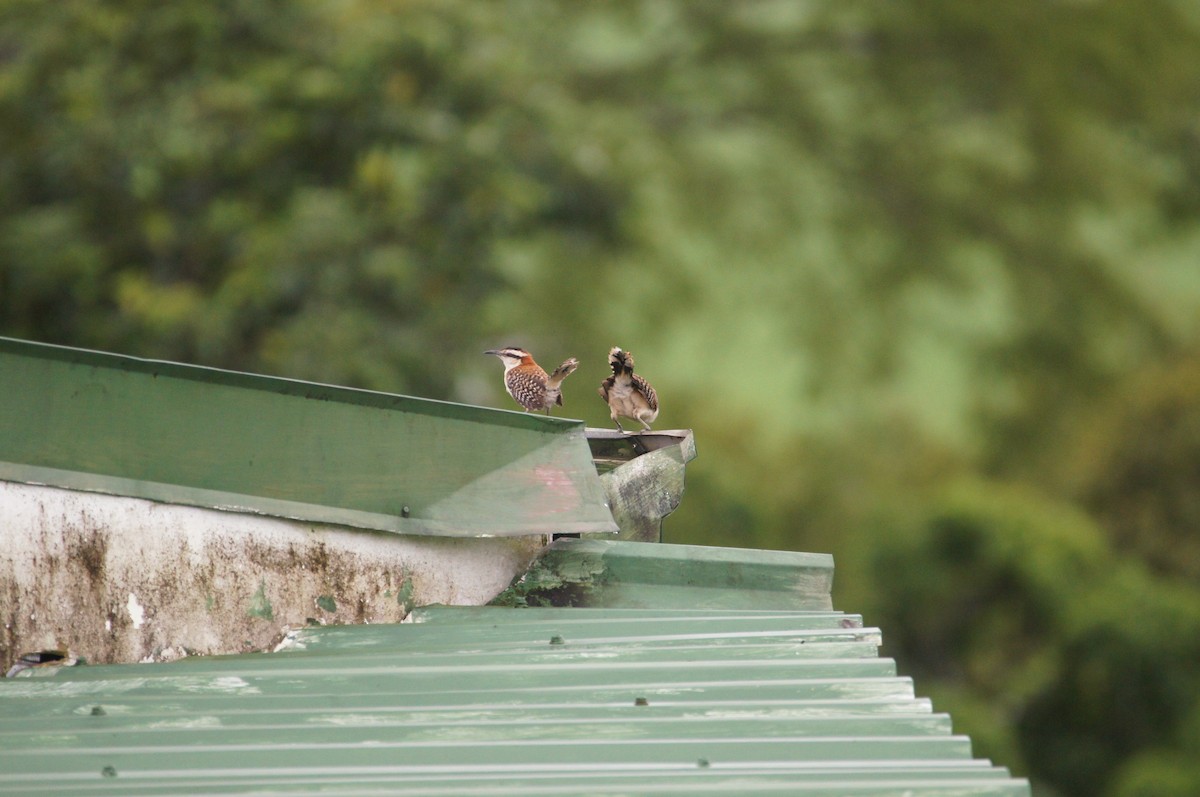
622, 573
288, 510
193, 435
282, 385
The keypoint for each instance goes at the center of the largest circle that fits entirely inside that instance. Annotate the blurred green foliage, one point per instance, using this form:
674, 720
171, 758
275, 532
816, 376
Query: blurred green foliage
922, 276
1137, 468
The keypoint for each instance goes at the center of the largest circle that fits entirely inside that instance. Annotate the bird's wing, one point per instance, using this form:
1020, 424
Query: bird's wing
643, 387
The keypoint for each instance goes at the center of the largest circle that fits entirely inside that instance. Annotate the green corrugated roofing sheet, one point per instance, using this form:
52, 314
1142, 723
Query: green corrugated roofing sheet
506, 701
184, 434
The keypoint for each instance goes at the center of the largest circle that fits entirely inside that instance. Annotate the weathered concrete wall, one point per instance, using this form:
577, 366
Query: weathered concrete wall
118, 579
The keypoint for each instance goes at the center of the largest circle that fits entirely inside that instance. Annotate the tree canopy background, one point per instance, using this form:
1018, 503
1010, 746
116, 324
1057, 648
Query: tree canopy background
924, 277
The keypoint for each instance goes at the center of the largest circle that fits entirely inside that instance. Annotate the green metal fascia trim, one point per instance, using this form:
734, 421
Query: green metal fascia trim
92, 358
620, 573
207, 437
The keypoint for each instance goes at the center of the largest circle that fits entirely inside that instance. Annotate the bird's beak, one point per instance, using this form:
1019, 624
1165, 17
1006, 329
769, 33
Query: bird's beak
492, 351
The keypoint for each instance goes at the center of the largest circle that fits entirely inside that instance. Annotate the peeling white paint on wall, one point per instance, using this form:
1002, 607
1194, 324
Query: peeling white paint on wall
117, 579
137, 614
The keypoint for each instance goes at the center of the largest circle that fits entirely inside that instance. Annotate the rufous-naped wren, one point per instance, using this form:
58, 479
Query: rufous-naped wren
528, 383
627, 394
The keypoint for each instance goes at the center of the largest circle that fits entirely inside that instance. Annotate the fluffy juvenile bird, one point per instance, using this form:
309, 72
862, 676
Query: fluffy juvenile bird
626, 393
528, 383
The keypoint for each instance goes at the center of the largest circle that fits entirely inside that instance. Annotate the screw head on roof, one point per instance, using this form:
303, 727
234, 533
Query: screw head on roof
641, 701
98, 711
109, 772
405, 511
557, 640
702, 763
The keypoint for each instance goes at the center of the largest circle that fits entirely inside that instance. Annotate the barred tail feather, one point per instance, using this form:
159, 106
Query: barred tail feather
563, 371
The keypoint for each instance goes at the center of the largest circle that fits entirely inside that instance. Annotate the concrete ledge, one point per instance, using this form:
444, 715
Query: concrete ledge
118, 579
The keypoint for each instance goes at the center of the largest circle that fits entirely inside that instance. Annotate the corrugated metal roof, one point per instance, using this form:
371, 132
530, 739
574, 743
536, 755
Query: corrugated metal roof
185, 434
503, 701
